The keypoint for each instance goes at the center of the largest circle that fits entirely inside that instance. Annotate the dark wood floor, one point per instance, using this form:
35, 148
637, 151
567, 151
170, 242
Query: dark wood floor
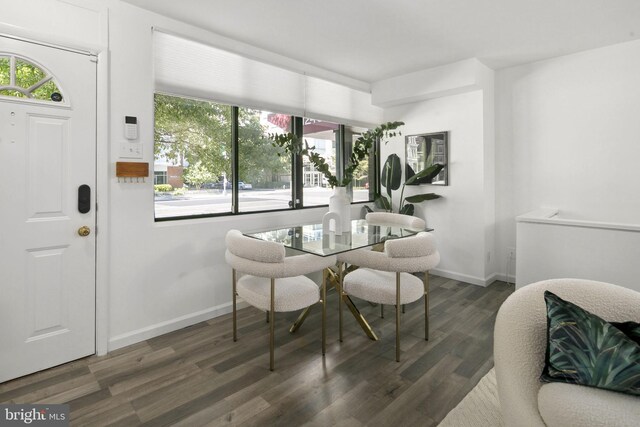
199, 376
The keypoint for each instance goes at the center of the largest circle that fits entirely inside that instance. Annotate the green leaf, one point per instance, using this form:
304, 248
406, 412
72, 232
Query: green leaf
426, 174
408, 173
407, 209
391, 173
419, 198
382, 202
360, 150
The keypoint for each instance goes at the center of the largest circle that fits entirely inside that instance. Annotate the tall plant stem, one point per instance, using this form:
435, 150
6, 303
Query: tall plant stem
401, 200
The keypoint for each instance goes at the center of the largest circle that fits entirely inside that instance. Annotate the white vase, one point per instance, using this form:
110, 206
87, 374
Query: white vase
340, 204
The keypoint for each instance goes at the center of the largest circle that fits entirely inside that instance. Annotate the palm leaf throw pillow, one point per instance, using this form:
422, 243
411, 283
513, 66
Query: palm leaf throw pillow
584, 349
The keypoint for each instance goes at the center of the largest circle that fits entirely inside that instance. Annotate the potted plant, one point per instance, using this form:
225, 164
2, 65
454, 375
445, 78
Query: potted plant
391, 179
339, 202
292, 144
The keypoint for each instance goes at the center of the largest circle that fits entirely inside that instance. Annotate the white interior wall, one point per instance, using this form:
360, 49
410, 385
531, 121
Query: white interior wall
567, 137
458, 77
170, 274
552, 246
566, 133
159, 276
162, 276
69, 23
458, 98
458, 217
493, 266
186, 278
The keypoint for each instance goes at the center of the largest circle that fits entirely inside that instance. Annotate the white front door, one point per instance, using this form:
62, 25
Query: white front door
47, 151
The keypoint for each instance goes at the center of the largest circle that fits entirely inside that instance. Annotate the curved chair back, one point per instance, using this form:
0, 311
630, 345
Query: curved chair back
261, 260
256, 257
267, 259
401, 256
254, 249
396, 219
412, 254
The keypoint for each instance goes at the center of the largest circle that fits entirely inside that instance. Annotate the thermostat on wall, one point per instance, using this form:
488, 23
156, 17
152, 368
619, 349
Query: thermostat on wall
130, 127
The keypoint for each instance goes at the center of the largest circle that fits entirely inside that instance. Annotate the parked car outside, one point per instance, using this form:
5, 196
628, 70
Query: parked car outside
219, 185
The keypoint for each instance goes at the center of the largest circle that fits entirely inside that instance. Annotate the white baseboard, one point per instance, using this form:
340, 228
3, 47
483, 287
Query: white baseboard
467, 278
152, 331
161, 328
511, 279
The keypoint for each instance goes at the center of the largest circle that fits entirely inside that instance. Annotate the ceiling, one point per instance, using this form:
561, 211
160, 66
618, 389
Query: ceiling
371, 40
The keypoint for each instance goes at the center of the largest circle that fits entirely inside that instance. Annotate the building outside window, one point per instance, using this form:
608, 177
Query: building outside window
197, 143
159, 177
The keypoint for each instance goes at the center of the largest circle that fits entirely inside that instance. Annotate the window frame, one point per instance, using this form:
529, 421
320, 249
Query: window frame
297, 183
158, 174
28, 93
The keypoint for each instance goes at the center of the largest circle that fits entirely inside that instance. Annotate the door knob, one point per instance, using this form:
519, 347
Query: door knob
84, 231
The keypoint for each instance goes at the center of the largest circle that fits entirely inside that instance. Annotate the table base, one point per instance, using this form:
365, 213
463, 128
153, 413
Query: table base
334, 282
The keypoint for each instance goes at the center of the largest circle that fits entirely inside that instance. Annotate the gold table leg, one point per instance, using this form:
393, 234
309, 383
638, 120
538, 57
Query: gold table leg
300, 320
334, 281
339, 288
272, 322
324, 312
359, 318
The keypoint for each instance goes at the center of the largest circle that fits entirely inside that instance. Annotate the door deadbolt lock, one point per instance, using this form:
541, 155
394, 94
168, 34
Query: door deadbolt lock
84, 231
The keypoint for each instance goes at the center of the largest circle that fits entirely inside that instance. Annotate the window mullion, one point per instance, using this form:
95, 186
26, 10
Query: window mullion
297, 166
374, 170
234, 160
341, 153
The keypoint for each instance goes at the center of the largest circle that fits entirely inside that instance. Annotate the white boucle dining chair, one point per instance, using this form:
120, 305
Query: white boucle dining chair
385, 277
260, 263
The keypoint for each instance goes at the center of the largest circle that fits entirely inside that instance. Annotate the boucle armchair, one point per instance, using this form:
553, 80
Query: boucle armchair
385, 277
519, 351
260, 263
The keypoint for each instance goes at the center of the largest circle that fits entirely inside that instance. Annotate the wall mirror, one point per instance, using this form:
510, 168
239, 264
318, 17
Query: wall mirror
424, 150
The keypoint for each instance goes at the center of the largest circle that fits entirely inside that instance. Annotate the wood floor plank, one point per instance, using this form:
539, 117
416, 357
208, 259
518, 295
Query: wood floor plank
112, 412
198, 376
197, 401
118, 384
409, 400
224, 413
48, 393
111, 361
25, 385
134, 368
347, 407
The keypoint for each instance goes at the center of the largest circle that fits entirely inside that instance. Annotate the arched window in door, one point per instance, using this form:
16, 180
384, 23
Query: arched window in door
21, 78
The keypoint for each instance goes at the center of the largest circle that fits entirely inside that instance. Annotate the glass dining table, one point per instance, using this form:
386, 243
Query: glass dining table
313, 239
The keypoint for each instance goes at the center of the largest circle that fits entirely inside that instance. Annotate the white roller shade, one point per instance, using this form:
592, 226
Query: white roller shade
185, 67
331, 101
189, 68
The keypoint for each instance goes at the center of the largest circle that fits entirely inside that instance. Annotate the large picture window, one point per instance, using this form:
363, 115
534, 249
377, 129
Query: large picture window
324, 136
264, 174
217, 159
192, 137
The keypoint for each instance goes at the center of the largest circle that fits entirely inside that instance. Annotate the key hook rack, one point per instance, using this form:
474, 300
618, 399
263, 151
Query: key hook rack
128, 171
